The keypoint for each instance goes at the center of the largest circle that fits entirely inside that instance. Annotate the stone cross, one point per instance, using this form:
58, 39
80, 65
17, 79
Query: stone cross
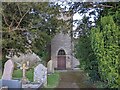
24, 68
8, 70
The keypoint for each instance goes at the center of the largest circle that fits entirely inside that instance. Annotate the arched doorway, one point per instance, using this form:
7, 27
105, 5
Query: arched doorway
61, 60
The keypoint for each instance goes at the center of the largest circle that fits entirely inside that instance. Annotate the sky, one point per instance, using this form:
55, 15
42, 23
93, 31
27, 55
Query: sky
77, 16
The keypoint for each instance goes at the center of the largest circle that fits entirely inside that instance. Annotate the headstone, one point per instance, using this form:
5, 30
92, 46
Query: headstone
50, 68
8, 70
40, 74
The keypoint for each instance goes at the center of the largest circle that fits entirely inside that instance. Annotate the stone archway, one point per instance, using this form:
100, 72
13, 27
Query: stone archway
61, 60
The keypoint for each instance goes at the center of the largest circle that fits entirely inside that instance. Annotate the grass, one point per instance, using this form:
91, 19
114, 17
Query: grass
53, 80
17, 74
30, 75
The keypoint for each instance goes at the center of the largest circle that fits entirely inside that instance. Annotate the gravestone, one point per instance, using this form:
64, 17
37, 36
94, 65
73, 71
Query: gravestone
7, 77
40, 74
50, 68
8, 70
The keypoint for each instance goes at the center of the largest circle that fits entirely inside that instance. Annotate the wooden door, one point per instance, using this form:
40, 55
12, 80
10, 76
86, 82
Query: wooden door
61, 62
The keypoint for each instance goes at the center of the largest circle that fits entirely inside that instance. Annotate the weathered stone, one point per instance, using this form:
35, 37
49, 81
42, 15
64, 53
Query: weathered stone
33, 86
8, 70
11, 84
4, 88
61, 41
24, 78
40, 74
50, 68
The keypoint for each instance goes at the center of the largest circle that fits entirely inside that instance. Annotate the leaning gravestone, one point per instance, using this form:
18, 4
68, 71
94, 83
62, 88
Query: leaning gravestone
40, 74
50, 68
8, 70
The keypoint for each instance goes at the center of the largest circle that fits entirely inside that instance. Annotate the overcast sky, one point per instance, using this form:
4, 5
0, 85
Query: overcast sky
77, 16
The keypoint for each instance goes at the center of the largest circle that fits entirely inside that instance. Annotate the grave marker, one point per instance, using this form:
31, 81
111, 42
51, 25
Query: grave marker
50, 68
24, 68
8, 70
40, 74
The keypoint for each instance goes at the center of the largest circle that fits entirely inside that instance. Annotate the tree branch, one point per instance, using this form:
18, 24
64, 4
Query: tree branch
19, 10
5, 20
105, 6
16, 21
22, 18
12, 21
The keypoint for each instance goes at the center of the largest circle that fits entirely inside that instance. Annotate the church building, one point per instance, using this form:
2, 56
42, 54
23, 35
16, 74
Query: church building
62, 49
62, 52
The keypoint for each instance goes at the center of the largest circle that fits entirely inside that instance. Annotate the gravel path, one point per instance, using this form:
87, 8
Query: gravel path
74, 79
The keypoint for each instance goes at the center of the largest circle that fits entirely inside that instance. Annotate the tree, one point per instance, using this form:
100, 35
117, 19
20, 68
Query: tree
86, 56
105, 45
28, 26
104, 42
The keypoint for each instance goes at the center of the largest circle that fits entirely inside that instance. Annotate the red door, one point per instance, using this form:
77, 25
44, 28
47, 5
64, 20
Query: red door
61, 62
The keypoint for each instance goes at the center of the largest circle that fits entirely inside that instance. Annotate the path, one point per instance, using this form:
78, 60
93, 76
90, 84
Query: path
74, 79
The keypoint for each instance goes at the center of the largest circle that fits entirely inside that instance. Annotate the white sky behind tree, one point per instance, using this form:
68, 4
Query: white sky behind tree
77, 16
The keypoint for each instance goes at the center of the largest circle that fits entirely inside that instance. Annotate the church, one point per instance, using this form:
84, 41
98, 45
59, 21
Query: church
62, 47
62, 52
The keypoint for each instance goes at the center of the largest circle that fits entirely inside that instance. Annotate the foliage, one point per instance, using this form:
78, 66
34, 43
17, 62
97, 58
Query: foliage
53, 80
28, 26
84, 51
100, 84
111, 8
87, 58
104, 41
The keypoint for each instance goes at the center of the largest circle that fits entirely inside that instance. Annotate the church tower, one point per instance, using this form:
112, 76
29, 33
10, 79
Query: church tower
62, 45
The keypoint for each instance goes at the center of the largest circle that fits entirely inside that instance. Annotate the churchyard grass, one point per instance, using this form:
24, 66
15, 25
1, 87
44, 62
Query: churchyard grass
53, 80
30, 74
17, 74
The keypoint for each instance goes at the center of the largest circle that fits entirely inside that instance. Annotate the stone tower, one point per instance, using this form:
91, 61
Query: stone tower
62, 47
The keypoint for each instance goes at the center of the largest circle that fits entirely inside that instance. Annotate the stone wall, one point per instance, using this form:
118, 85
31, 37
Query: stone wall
61, 41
